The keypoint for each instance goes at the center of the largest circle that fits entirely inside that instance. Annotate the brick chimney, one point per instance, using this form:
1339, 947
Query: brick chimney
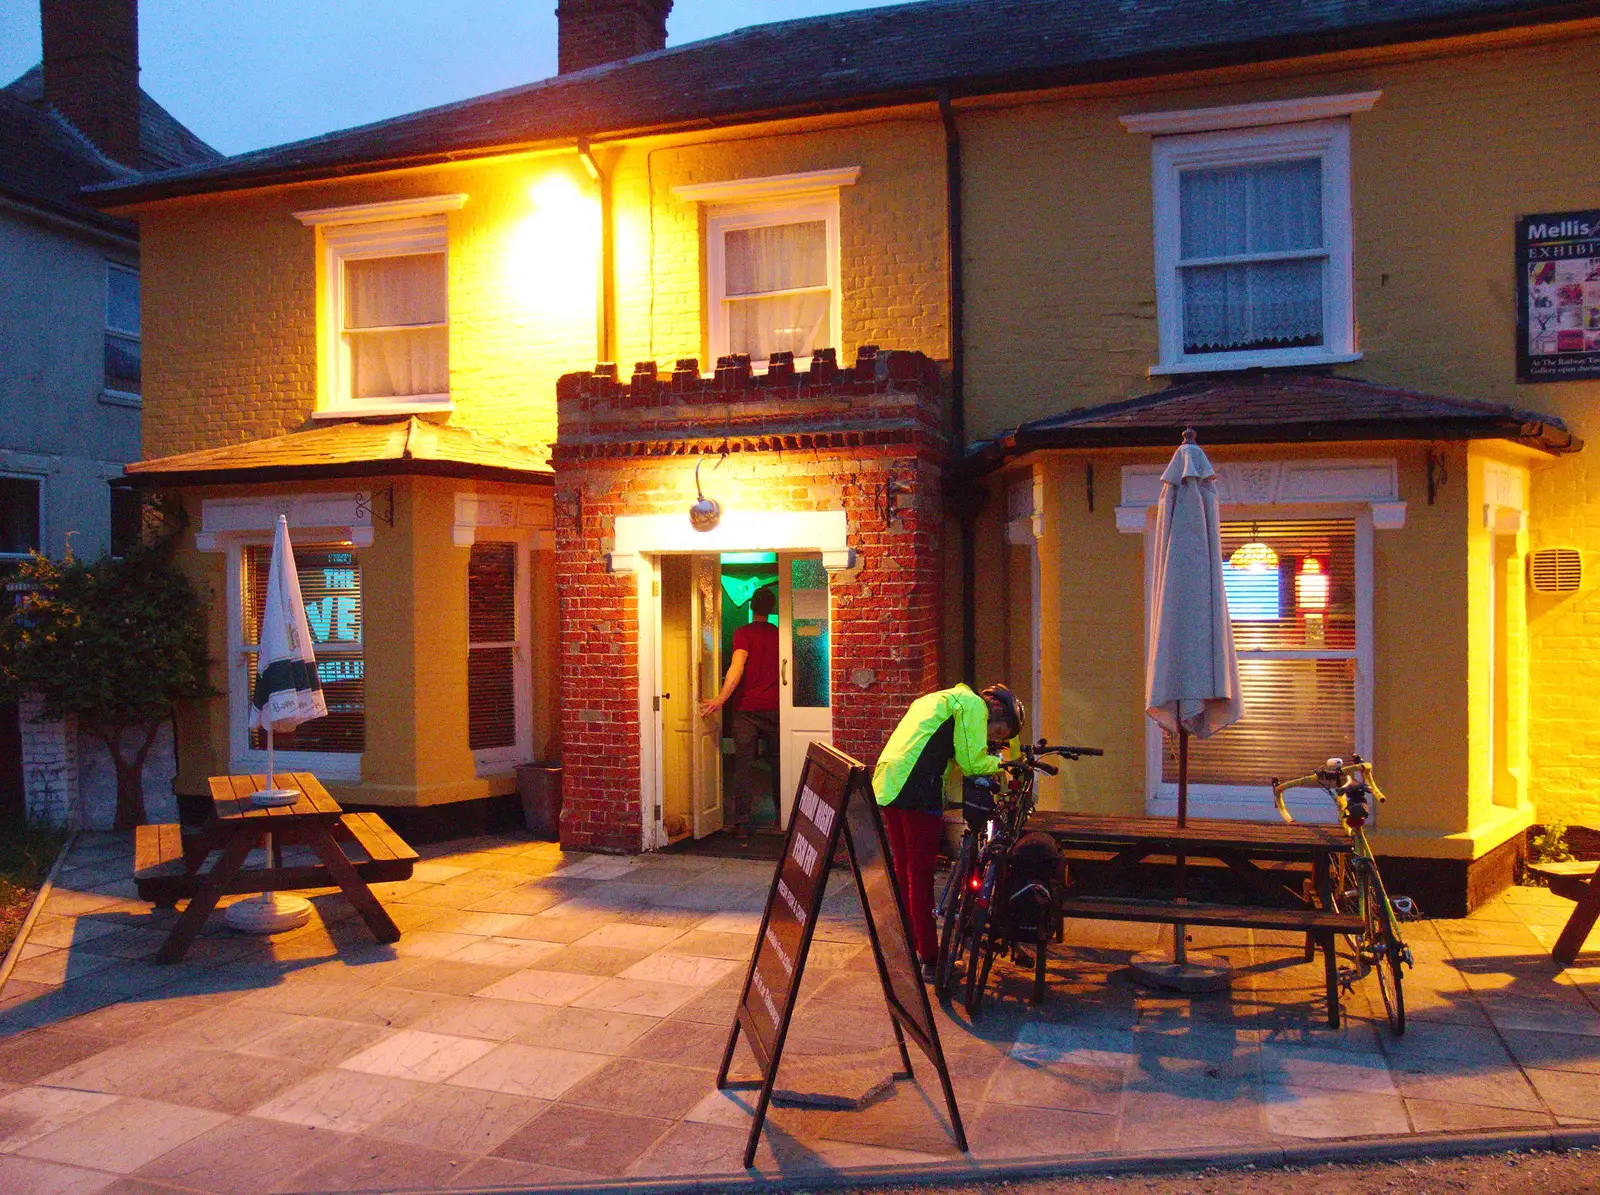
91, 70
591, 32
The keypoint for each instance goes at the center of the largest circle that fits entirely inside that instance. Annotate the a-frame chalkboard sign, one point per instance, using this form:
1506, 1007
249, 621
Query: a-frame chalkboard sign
834, 799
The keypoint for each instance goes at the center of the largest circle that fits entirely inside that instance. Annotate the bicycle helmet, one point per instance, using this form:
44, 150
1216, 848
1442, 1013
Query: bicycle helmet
1010, 705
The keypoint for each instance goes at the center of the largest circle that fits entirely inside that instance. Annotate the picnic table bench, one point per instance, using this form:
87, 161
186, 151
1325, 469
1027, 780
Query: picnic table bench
1576, 880
169, 865
1240, 846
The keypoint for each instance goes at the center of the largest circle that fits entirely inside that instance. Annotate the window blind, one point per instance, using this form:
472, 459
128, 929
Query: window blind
1294, 626
491, 646
330, 587
775, 287
1252, 256
396, 325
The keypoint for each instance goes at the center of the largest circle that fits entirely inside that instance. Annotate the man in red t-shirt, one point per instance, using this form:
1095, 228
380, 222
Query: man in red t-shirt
753, 671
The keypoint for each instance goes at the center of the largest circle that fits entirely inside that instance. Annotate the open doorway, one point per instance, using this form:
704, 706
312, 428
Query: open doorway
702, 601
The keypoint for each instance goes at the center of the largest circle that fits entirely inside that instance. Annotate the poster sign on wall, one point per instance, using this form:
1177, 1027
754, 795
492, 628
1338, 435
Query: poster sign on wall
1558, 297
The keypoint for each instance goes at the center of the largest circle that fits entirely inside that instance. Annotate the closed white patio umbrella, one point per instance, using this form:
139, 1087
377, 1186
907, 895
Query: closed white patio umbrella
287, 692
1191, 670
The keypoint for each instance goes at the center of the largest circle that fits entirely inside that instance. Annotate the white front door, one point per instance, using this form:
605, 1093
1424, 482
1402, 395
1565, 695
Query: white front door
805, 711
707, 655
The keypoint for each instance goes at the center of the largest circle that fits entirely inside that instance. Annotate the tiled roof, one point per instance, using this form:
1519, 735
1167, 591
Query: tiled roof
863, 59
1282, 407
45, 161
361, 448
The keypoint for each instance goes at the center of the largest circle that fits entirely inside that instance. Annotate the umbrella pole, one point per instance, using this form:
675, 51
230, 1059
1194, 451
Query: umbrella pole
1180, 953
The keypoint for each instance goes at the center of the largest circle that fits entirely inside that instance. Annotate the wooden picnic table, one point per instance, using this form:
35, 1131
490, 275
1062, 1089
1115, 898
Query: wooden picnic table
168, 863
1241, 846
1578, 880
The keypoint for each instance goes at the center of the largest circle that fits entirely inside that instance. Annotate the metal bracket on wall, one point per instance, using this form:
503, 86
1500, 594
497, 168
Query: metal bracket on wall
892, 489
370, 504
1438, 475
1088, 478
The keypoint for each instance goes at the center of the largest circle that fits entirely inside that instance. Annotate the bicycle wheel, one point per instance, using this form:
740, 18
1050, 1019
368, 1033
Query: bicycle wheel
1385, 950
980, 953
955, 909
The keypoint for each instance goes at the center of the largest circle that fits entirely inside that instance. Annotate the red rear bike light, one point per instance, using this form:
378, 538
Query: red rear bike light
976, 883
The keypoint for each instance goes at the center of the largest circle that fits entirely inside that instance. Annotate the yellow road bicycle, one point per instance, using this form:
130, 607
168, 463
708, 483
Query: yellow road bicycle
1357, 886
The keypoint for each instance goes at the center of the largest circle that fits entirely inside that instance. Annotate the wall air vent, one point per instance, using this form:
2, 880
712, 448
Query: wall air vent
1555, 570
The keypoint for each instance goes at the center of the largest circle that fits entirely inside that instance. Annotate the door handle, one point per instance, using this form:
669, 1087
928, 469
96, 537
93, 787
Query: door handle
783, 671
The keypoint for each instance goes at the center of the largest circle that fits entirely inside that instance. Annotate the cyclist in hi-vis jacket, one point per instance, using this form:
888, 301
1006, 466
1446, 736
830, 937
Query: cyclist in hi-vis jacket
956, 726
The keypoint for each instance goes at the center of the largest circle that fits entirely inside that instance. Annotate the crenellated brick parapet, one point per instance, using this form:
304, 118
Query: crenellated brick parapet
865, 441
884, 392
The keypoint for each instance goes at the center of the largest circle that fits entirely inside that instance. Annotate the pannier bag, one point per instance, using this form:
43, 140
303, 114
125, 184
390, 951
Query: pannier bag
1036, 877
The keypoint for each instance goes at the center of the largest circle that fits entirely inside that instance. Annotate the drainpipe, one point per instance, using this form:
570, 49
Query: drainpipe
958, 398
606, 296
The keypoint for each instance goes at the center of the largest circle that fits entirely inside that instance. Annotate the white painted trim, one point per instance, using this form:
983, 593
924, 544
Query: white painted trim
1326, 140
765, 214
1284, 481
647, 581
1505, 485
399, 234
825, 531
771, 186
477, 514
1264, 359
394, 209
342, 517
1238, 116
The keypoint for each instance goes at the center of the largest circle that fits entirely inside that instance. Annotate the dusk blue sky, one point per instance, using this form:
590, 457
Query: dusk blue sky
248, 73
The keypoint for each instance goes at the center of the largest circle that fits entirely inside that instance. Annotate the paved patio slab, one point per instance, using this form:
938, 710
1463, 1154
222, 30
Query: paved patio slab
550, 1018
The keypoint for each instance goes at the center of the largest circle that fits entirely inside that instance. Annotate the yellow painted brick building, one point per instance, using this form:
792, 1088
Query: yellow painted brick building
1010, 207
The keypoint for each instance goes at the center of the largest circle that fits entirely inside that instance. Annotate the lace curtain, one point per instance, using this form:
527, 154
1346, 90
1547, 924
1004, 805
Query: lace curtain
396, 325
1273, 207
779, 258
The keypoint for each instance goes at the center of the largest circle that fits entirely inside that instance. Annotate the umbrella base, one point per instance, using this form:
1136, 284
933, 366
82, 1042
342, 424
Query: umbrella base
1198, 973
272, 913
275, 796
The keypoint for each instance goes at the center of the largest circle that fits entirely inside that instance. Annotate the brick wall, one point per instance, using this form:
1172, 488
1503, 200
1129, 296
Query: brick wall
831, 440
591, 32
49, 768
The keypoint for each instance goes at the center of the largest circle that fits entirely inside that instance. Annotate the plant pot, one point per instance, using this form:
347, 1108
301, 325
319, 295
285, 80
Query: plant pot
539, 786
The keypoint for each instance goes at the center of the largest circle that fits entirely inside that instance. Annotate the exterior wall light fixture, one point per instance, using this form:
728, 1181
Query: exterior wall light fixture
706, 513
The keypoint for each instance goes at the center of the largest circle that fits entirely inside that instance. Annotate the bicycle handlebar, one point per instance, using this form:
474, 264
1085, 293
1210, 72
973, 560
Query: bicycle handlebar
1331, 780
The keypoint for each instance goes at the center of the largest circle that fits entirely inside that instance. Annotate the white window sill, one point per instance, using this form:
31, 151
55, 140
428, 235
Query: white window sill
357, 411
1234, 362
121, 398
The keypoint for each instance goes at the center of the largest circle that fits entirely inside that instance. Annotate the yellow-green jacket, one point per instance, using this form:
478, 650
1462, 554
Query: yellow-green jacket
949, 726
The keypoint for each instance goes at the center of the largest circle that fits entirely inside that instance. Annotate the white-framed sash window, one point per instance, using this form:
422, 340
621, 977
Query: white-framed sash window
1253, 247
384, 336
772, 277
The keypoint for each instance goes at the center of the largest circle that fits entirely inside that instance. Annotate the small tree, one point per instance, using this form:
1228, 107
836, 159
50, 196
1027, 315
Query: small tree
115, 642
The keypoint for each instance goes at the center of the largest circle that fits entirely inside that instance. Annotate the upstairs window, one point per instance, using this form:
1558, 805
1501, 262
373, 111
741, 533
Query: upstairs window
773, 278
1253, 255
396, 328
123, 372
384, 341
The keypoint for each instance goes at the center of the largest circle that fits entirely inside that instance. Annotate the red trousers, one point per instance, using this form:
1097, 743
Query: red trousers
914, 847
